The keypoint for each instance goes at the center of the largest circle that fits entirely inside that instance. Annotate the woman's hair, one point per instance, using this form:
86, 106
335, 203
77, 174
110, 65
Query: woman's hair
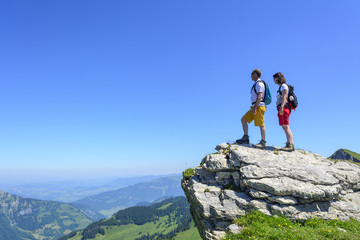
280, 77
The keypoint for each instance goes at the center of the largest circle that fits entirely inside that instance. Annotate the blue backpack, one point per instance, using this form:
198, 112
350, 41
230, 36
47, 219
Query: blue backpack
267, 97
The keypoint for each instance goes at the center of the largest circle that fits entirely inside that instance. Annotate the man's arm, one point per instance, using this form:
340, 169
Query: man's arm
258, 100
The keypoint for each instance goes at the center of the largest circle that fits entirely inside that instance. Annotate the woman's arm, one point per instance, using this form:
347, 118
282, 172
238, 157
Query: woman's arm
284, 95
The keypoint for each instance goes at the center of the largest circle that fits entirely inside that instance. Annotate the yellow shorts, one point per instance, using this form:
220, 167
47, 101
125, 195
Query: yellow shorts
258, 117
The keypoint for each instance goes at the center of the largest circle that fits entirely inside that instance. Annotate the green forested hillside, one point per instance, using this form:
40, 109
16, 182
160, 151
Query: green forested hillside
169, 219
25, 218
7, 232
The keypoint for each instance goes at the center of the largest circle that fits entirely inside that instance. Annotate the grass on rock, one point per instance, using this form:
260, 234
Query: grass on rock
188, 173
257, 225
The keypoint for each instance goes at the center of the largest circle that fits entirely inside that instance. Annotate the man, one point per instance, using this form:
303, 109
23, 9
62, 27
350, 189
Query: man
256, 112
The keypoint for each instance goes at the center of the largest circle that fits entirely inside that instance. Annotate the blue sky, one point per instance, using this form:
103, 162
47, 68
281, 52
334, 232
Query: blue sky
119, 88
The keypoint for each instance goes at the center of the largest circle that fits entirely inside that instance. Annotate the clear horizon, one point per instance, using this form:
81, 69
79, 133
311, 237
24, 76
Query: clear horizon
21, 178
93, 88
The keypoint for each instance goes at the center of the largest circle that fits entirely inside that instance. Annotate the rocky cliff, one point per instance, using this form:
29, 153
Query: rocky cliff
299, 185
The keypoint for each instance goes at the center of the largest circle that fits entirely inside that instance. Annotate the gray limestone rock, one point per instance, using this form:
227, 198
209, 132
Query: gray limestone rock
216, 163
299, 185
222, 147
234, 228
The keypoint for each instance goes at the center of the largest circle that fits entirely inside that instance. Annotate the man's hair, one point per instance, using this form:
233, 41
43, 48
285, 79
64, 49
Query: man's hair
257, 71
280, 76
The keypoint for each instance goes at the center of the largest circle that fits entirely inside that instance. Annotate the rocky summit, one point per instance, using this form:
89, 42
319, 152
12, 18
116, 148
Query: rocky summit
300, 185
345, 154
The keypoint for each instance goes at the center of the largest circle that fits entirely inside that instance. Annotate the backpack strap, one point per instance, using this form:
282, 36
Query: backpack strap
287, 104
281, 92
253, 87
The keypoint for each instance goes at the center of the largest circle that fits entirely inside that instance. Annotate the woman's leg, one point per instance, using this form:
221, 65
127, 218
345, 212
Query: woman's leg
289, 135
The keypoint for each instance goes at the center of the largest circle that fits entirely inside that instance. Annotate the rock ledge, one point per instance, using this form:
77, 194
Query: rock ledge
299, 185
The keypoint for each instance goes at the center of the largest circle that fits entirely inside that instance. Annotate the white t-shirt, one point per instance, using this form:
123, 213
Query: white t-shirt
280, 97
260, 87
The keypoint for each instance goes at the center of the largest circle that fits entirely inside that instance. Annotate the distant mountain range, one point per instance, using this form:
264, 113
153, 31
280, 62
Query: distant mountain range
344, 154
70, 191
26, 218
168, 219
143, 193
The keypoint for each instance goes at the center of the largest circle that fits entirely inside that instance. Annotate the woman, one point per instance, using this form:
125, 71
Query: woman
284, 109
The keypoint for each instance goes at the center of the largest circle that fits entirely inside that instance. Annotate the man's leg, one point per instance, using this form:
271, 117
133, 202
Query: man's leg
245, 126
248, 117
260, 122
263, 132
262, 143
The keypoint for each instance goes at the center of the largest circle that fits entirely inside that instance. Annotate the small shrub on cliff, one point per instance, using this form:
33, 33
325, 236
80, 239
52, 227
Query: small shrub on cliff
232, 186
203, 161
260, 226
188, 173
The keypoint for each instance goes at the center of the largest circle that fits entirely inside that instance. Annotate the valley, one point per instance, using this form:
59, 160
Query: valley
168, 219
28, 218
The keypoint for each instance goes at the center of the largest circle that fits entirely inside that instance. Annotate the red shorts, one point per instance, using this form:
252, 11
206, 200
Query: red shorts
284, 119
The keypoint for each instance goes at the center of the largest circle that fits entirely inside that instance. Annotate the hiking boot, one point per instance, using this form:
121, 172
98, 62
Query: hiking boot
289, 147
261, 144
243, 140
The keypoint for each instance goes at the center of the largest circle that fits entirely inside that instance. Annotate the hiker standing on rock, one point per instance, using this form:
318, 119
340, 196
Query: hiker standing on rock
284, 109
257, 110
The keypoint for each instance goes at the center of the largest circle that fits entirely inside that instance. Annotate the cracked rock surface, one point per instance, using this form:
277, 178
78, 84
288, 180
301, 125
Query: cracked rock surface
299, 185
